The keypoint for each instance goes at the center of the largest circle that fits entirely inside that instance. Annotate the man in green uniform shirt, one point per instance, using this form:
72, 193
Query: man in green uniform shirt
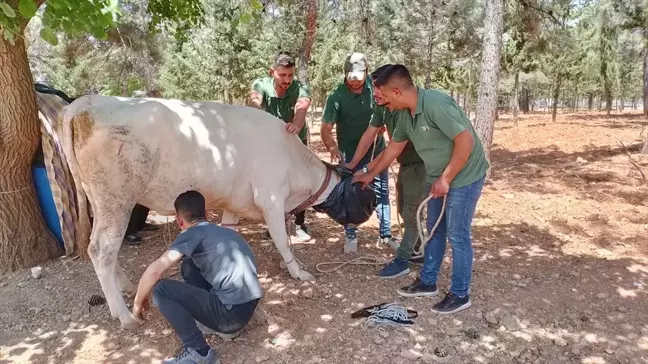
349, 107
288, 99
410, 184
456, 170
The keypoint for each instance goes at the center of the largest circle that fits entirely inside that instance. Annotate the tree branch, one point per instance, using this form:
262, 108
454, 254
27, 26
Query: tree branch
553, 17
625, 150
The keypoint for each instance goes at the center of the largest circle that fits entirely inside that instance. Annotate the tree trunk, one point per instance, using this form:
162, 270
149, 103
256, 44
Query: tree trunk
515, 98
556, 96
590, 101
600, 103
523, 102
309, 39
645, 77
620, 103
576, 98
25, 240
490, 67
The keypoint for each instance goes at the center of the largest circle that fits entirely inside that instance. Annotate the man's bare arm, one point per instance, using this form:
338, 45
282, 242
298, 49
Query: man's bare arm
365, 143
329, 142
463, 145
301, 108
387, 156
255, 99
150, 277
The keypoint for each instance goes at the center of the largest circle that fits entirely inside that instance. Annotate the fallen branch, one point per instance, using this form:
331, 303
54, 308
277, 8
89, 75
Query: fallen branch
625, 150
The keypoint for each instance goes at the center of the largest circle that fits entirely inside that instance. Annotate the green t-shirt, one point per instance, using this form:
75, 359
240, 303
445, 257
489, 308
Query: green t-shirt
282, 107
351, 114
383, 117
437, 121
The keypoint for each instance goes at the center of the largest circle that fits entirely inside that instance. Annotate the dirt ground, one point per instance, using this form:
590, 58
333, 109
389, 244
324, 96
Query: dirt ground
560, 274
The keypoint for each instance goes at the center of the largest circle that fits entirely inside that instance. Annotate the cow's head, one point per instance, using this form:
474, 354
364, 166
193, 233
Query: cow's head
348, 202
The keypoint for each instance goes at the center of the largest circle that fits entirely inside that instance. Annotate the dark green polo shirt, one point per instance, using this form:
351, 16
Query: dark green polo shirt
437, 121
282, 107
383, 117
351, 114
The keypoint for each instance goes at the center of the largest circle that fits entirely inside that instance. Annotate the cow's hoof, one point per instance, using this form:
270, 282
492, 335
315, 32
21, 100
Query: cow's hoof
305, 276
129, 322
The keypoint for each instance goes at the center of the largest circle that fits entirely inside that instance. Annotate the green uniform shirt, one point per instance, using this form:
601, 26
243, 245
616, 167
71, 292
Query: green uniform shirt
351, 114
437, 120
282, 107
382, 116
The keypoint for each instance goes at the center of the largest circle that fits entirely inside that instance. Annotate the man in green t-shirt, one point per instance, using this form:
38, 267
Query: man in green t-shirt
349, 107
410, 184
456, 170
288, 99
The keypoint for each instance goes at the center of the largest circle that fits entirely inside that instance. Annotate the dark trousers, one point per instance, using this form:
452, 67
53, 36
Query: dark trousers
137, 219
183, 302
300, 218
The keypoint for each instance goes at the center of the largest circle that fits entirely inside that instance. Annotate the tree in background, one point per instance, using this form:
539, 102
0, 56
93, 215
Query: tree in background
24, 238
488, 81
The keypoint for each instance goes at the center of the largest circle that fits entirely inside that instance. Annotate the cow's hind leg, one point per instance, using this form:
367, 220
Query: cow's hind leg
273, 213
103, 250
229, 220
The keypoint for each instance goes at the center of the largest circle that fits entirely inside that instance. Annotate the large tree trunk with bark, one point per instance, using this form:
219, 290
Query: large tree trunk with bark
515, 98
25, 240
488, 79
590, 101
556, 96
645, 77
309, 39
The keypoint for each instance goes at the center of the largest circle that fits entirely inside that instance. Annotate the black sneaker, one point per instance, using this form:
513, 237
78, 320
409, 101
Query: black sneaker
417, 261
418, 289
149, 227
133, 239
451, 304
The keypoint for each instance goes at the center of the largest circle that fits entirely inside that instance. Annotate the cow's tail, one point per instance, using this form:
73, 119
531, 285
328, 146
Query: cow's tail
80, 215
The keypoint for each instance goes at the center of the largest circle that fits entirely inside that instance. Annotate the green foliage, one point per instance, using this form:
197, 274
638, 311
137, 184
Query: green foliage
214, 49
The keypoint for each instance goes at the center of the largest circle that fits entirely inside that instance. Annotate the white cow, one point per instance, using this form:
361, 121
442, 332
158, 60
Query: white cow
125, 151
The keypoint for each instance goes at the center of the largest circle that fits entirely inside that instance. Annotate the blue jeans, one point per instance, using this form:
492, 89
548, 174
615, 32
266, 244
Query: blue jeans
183, 302
383, 210
455, 226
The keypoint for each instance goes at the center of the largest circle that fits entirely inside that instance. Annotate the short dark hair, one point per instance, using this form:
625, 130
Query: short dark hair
191, 206
284, 59
379, 71
396, 71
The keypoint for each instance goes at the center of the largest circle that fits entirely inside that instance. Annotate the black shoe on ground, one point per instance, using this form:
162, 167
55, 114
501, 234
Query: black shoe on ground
418, 289
149, 227
417, 261
451, 304
133, 239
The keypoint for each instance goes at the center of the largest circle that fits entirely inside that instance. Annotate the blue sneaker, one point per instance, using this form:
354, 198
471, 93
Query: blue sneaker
395, 268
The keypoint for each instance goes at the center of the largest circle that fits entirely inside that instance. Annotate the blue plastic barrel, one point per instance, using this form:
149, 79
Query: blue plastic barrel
46, 202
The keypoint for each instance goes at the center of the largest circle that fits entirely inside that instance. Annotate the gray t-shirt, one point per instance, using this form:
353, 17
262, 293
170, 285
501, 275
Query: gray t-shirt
225, 260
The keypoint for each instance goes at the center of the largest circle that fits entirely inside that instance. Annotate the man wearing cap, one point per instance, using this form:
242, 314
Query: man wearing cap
349, 107
410, 184
288, 99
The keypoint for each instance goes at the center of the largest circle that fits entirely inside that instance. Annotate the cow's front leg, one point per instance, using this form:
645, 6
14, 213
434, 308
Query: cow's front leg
276, 225
125, 285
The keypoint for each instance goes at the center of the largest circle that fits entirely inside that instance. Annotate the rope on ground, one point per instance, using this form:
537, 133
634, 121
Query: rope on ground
363, 260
